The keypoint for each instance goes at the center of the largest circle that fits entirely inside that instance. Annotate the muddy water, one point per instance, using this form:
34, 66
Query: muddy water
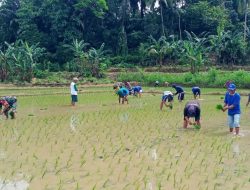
133, 146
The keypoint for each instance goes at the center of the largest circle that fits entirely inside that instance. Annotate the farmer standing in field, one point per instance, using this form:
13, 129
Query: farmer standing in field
196, 91
232, 104
74, 90
192, 109
9, 103
167, 96
180, 91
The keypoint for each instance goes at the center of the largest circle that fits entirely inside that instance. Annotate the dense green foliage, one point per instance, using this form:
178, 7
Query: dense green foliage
72, 34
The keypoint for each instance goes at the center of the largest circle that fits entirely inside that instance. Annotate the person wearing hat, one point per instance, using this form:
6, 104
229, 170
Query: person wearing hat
196, 91
180, 91
192, 109
167, 96
73, 91
232, 104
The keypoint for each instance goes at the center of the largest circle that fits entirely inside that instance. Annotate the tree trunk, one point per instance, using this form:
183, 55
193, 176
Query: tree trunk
162, 21
245, 23
179, 24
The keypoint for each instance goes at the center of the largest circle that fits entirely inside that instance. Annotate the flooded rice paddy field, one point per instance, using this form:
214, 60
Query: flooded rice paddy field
100, 144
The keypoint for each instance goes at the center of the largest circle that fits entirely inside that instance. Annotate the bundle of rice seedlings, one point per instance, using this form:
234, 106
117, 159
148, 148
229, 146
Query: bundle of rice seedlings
197, 126
219, 107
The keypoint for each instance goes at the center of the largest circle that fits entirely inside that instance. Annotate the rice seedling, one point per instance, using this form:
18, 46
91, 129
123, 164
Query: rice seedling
219, 107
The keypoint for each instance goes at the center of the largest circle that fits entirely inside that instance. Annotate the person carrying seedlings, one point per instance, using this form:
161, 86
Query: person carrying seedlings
196, 91
167, 97
137, 91
192, 109
232, 104
122, 93
180, 91
73, 91
9, 105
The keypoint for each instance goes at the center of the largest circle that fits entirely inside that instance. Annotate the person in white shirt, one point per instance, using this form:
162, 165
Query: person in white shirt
167, 96
73, 91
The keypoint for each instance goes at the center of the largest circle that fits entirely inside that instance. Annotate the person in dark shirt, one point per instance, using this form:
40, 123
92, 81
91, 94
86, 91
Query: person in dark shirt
196, 91
192, 109
180, 92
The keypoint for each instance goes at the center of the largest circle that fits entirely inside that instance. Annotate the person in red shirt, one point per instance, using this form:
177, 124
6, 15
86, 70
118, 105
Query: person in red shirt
4, 107
8, 103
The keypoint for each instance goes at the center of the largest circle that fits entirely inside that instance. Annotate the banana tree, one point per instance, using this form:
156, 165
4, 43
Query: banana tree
80, 56
22, 59
4, 66
194, 51
96, 56
159, 49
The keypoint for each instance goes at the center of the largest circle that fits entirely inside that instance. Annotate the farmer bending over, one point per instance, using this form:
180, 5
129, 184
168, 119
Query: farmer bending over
122, 93
180, 91
167, 96
128, 86
192, 109
137, 91
9, 104
196, 91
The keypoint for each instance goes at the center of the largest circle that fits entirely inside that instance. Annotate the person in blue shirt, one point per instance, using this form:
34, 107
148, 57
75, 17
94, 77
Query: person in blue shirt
196, 91
137, 91
232, 104
122, 94
180, 91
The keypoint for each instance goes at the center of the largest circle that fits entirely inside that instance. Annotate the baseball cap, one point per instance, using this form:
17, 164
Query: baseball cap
231, 87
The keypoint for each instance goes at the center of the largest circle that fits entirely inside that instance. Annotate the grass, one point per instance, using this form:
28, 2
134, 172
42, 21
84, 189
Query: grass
134, 146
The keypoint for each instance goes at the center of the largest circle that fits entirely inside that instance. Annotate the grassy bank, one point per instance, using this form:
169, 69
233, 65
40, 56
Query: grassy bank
212, 78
